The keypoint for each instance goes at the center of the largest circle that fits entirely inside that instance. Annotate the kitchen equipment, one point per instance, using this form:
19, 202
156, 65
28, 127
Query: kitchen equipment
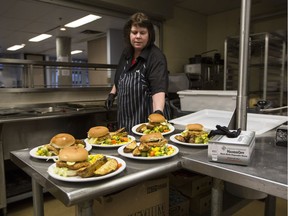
205, 72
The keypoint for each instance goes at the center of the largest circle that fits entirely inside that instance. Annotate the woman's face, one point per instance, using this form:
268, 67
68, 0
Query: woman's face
139, 37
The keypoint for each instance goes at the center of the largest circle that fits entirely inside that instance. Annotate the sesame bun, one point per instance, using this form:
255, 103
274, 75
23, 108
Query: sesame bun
194, 127
98, 131
62, 140
156, 118
73, 154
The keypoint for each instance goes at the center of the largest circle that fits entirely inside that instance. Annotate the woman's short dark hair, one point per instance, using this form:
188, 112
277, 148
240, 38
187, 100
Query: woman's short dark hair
141, 20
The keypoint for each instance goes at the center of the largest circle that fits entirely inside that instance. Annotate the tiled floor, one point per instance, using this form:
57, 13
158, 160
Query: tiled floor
53, 207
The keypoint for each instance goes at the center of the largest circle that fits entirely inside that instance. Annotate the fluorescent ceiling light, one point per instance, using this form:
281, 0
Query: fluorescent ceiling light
82, 21
16, 47
76, 52
40, 37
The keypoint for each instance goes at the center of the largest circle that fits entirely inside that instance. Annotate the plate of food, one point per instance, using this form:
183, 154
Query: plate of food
57, 142
151, 147
193, 135
100, 136
75, 165
156, 123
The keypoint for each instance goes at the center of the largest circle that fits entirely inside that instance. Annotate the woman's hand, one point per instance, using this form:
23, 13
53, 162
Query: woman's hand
159, 112
109, 101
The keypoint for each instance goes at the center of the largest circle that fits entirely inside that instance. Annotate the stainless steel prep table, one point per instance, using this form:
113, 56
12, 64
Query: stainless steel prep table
267, 173
82, 194
48, 119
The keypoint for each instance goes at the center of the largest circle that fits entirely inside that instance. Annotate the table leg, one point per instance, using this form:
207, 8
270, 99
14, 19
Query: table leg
270, 205
85, 208
38, 204
217, 197
3, 201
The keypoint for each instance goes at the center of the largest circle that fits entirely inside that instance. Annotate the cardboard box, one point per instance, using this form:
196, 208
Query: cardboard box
195, 100
232, 150
190, 184
201, 204
147, 198
179, 205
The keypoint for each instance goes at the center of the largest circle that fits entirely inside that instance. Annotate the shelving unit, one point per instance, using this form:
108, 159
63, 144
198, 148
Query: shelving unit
267, 71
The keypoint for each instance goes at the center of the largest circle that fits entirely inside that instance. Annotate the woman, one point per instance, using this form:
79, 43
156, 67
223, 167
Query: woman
141, 79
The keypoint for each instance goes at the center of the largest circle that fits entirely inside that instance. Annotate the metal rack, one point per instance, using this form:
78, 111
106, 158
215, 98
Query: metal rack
267, 73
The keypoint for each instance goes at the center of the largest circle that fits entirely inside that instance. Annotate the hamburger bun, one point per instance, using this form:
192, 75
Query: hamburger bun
156, 118
194, 127
153, 139
62, 140
73, 158
98, 131
73, 154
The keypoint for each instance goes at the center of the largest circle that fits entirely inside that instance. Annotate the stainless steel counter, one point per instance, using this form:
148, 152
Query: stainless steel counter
82, 194
17, 131
62, 112
267, 173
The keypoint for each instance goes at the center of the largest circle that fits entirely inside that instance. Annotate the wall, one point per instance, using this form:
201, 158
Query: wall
115, 45
183, 36
220, 26
97, 53
38, 72
187, 33
106, 50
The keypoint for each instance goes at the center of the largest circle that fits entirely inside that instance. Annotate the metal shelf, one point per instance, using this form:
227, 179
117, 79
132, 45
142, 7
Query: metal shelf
267, 72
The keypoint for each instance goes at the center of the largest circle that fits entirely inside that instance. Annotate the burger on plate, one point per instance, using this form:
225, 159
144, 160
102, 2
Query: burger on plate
99, 135
70, 160
156, 123
194, 127
156, 119
60, 141
148, 142
193, 133
153, 140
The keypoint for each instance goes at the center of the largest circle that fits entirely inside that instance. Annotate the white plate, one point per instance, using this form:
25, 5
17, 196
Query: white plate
172, 128
80, 179
130, 155
33, 151
260, 123
111, 146
172, 138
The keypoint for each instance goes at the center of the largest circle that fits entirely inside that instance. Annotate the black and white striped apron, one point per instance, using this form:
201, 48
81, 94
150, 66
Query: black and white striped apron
133, 98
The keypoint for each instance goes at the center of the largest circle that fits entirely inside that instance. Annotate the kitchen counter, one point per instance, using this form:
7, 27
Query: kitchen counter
82, 194
266, 173
47, 111
19, 126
